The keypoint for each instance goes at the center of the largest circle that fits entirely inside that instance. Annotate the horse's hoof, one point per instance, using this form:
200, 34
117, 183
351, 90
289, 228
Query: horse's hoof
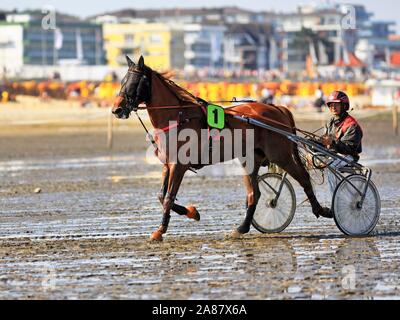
156, 236
235, 234
326, 213
193, 213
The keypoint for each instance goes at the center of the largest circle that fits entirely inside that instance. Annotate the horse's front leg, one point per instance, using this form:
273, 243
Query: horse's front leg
190, 211
176, 174
164, 184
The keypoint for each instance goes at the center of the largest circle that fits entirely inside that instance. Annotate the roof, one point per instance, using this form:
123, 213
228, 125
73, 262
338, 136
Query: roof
316, 13
353, 62
156, 13
38, 15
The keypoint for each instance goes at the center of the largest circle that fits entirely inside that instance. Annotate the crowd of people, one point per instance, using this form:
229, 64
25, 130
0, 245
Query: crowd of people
290, 93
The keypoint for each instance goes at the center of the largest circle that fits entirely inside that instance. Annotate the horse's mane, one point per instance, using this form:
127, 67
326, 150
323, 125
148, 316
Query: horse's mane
180, 93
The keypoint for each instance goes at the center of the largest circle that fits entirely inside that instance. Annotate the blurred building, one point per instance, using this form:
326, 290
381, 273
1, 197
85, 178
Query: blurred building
25, 41
165, 46
251, 47
313, 33
161, 44
328, 38
199, 36
203, 46
324, 40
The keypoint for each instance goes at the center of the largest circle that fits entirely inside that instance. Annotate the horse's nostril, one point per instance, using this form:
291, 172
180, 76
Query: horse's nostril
117, 111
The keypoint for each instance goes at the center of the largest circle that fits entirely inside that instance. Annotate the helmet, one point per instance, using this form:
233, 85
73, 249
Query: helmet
341, 97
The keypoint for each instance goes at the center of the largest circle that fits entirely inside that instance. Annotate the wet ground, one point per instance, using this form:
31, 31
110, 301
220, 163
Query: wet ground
85, 234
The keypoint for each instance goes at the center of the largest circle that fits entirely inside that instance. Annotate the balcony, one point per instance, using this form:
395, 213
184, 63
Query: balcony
188, 54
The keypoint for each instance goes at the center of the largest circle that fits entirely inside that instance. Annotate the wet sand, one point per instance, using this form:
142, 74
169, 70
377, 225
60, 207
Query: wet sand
85, 235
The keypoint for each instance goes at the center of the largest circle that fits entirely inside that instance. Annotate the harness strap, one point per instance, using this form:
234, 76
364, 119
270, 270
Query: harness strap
170, 107
153, 142
166, 129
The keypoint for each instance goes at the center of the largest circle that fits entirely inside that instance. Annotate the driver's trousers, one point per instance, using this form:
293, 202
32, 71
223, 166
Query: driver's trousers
332, 179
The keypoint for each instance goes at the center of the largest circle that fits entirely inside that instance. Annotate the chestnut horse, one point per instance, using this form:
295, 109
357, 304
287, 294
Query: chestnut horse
166, 102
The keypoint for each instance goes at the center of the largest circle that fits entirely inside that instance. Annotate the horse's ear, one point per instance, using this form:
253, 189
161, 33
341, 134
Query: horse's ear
130, 62
141, 63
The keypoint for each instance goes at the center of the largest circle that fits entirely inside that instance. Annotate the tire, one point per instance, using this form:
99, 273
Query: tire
350, 219
270, 219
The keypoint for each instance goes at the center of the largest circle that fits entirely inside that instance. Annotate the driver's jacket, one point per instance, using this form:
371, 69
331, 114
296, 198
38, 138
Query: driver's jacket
347, 135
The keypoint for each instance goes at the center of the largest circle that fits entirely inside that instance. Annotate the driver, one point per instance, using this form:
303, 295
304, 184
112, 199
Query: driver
343, 134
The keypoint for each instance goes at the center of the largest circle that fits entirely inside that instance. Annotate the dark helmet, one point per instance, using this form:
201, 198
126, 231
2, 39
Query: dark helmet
341, 97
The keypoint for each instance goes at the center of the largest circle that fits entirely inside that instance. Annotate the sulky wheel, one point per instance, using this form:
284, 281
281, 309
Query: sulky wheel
352, 217
273, 214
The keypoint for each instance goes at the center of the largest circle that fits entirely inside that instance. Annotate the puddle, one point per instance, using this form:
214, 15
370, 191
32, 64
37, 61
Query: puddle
55, 164
380, 156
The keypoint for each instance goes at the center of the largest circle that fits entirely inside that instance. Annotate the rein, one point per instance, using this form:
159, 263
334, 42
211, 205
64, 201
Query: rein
283, 125
306, 133
166, 129
153, 142
169, 107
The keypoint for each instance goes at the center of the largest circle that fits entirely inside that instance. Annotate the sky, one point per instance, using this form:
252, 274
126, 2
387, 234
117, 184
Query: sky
383, 9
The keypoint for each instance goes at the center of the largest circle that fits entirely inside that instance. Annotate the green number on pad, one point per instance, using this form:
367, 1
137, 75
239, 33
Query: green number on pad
215, 116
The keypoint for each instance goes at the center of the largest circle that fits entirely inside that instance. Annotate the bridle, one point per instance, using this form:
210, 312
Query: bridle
132, 104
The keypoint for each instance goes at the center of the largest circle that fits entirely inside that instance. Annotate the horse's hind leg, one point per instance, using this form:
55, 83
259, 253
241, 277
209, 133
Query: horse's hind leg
176, 173
190, 211
253, 195
301, 175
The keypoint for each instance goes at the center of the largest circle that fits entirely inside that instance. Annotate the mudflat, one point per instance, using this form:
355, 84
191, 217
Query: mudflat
75, 219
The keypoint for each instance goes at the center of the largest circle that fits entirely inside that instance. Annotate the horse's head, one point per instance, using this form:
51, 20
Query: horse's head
135, 89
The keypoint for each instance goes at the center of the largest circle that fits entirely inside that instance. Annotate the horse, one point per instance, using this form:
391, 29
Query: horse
167, 102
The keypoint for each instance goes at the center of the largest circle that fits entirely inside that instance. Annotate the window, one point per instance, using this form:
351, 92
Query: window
155, 38
129, 38
200, 62
201, 47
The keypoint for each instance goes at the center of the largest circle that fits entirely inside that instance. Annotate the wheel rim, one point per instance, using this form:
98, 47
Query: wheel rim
351, 218
271, 217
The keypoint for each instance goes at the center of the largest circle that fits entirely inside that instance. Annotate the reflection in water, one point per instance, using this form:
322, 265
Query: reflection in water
357, 250
389, 152
360, 261
71, 163
257, 267
214, 267
380, 156
335, 267
371, 157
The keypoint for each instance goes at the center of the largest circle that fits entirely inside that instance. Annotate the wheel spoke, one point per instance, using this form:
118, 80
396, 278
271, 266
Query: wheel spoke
350, 219
276, 219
